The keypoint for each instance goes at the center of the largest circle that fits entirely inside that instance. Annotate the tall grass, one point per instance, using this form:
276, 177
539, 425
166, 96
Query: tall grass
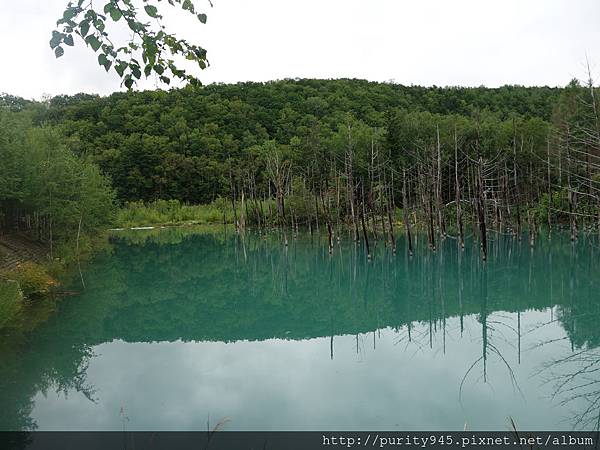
170, 212
173, 212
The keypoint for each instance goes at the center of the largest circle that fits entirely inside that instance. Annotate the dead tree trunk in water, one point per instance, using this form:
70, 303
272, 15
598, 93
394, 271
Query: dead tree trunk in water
256, 201
481, 209
459, 225
549, 191
405, 215
370, 193
572, 218
390, 207
515, 185
382, 209
244, 212
431, 221
438, 186
327, 212
232, 188
350, 184
362, 218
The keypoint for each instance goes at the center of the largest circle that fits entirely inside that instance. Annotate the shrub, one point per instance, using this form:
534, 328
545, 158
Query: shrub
33, 279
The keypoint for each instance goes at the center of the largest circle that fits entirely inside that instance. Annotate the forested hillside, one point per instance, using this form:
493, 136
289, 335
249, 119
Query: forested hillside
336, 152
182, 144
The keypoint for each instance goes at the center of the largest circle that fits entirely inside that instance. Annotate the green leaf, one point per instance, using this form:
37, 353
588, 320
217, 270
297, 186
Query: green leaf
93, 42
147, 70
103, 61
151, 10
202, 18
188, 6
70, 13
120, 68
115, 14
128, 83
56, 39
165, 80
135, 70
150, 51
69, 40
84, 27
59, 52
200, 53
109, 50
99, 24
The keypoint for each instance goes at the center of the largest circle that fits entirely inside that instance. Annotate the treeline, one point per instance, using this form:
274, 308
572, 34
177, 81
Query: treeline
183, 144
348, 154
46, 190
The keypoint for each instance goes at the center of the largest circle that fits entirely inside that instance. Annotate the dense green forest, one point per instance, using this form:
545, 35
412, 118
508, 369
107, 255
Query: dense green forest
45, 188
329, 153
182, 144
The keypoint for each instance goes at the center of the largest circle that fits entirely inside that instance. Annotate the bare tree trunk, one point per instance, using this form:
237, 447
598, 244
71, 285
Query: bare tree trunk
459, 225
244, 212
350, 184
515, 185
431, 220
362, 218
481, 209
232, 188
573, 218
327, 212
405, 216
77, 250
549, 190
440, 212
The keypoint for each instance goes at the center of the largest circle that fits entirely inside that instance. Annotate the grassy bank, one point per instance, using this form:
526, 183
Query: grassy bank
35, 278
172, 212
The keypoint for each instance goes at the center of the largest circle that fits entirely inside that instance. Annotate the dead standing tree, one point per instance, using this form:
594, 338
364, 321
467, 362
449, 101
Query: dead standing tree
278, 170
457, 199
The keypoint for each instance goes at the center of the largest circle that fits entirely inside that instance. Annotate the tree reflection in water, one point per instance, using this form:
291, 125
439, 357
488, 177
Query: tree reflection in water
178, 285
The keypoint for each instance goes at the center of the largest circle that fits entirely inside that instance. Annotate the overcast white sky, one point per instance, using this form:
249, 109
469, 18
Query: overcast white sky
426, 42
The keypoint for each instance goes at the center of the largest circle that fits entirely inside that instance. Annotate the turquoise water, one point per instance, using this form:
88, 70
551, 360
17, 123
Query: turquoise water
180, 330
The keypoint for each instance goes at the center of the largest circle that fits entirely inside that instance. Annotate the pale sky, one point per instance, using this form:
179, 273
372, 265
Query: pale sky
424, 42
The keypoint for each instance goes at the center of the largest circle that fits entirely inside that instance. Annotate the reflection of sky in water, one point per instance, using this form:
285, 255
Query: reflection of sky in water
279, 384
188, 327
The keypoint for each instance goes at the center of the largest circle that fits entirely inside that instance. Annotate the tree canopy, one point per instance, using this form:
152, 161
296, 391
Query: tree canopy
45, 187
183, 144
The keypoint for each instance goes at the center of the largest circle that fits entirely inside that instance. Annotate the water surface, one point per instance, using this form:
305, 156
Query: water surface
180, 330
